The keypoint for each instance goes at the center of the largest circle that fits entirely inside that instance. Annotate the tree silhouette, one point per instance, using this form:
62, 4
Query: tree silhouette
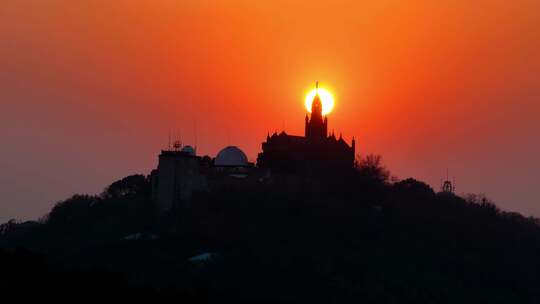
130, 186
371, 167
352, 237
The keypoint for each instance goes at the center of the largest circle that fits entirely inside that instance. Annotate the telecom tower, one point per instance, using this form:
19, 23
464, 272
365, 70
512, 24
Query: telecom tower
447, 186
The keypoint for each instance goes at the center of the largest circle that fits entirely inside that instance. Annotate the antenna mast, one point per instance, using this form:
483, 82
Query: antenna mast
448, 186
169, 144
195, 135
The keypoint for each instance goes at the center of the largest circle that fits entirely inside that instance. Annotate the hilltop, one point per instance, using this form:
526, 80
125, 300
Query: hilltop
357, 237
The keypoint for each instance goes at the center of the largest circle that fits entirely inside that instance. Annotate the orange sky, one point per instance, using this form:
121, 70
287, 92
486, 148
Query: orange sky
89, 89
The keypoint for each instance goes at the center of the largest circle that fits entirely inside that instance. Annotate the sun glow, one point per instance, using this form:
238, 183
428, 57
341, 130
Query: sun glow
326, 97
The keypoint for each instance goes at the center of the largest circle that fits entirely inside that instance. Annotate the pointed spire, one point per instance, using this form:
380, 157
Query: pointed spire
316, 107
316, 125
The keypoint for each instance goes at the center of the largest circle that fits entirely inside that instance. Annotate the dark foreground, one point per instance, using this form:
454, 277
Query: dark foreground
354, 239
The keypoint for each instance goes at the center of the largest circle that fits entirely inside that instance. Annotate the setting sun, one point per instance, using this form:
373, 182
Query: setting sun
327, 100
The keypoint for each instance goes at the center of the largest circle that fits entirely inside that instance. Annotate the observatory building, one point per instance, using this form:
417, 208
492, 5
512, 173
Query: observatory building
314, 153
181, 173
177, 176
230, 160
231, 157
233, 162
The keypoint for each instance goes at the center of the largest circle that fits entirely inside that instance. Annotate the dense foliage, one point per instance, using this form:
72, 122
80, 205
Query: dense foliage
355, 237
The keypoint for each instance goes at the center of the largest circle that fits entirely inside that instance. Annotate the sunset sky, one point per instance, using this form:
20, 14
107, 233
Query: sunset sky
89, 89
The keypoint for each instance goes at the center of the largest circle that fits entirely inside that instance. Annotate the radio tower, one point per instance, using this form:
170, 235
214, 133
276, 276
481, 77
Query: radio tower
447, 186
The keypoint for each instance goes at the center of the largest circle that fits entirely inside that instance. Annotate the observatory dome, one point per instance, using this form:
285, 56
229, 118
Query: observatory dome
189, 150
231, 156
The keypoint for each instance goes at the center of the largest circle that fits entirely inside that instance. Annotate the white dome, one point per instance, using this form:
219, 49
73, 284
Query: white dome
231, 156
189, 149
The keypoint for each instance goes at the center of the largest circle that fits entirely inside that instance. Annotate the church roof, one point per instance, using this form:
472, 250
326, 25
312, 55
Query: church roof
284, 137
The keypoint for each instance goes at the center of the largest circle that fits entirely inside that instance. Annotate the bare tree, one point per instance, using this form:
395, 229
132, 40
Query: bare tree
371, 166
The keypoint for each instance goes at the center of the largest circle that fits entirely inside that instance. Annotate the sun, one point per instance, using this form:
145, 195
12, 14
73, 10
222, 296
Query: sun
326, 97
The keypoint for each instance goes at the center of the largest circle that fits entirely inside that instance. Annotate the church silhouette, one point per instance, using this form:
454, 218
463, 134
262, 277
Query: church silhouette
315, 152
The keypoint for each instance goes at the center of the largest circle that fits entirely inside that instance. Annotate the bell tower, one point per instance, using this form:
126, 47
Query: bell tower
316, 127
314, 154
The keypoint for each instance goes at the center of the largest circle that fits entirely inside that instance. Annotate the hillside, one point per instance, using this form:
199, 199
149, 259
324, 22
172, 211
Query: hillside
335, 239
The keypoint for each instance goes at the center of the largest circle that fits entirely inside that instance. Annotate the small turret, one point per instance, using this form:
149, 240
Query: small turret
306, 127
325, 126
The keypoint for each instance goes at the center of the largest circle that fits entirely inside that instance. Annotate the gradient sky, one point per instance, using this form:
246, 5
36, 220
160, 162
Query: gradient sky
89, 89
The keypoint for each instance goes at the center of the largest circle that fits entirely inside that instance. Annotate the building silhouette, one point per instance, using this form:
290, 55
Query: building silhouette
177, 177
315, 152
181, 173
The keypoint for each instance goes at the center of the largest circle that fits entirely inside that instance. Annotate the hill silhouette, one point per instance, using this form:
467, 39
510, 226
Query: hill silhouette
353, 237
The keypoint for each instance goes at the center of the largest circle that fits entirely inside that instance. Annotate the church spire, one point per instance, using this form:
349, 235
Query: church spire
316, 126
316, 104
316, 107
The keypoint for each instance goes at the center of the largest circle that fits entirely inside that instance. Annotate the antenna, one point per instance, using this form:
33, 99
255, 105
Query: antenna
180, 136
169, 144
177, 143
447, 186
195, 134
